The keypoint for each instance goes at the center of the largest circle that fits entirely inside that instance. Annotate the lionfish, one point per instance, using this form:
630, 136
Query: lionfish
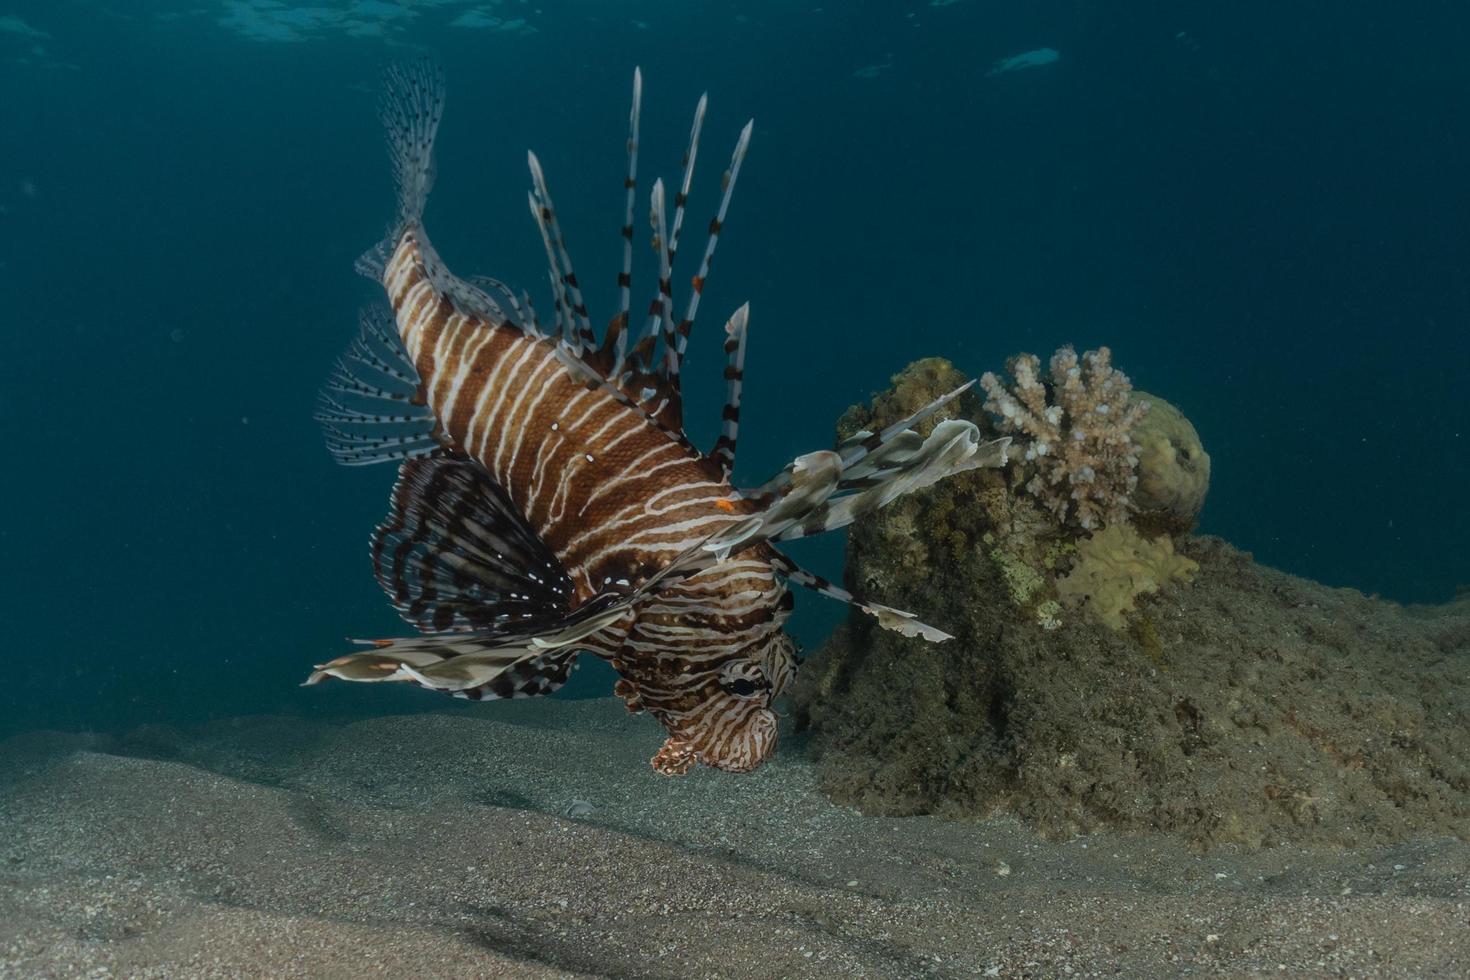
548, 500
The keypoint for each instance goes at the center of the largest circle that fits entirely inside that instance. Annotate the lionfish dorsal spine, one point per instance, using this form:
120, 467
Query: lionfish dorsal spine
660, 309
615, 343
717, 224
579, 333
669, 247
735, 332
561, 316
682, 196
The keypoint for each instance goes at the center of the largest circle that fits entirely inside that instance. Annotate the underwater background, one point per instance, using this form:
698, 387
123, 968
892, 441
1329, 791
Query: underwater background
1261, 208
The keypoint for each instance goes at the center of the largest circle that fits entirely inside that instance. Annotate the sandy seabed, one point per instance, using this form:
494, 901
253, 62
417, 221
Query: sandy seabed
439, 846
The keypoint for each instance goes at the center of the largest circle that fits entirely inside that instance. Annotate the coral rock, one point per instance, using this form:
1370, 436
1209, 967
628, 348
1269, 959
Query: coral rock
913, 388
1251, 708
1173, 468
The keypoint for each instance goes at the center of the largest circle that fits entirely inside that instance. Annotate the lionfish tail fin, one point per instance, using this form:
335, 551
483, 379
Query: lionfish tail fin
411, 108
413, 105
371, 409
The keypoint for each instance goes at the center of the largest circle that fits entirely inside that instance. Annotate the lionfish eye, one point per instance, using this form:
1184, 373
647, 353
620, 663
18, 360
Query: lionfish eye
742, 687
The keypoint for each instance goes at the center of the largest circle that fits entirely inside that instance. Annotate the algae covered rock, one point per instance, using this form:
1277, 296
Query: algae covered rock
1239, 704
911, 389
1117, 565
1173, 467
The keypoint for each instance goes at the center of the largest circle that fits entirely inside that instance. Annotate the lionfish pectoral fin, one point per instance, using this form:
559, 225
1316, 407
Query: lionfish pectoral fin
889, 465
826, 490
462, 665
900, 465
813, 479
370, 665
675, 757
904, 623
460, 562
859, 447
455, 554
514, 661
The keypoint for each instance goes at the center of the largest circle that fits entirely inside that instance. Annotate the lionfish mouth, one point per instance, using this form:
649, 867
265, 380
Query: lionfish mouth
746, 749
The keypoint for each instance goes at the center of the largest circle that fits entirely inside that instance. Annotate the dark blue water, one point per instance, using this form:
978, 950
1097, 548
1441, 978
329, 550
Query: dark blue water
1261, 209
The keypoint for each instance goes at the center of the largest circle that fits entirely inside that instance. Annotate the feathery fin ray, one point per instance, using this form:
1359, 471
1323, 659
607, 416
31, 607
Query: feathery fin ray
371, 409
458, 560
455, 554
411, 109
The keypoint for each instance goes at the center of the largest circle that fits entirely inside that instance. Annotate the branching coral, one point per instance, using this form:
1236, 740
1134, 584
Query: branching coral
1076, 431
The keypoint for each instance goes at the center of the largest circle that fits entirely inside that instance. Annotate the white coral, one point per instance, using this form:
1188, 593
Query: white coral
1077, 436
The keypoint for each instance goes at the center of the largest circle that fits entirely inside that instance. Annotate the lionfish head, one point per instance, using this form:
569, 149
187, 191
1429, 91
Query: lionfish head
727, 722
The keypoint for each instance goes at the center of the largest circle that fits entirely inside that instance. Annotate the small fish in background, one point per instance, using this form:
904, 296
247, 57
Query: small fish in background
549, 501
1027, 59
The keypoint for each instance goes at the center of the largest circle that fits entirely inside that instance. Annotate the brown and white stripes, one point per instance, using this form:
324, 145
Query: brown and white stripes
607, 489
601, 482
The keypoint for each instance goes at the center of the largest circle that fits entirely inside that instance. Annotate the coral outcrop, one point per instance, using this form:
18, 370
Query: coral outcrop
1173, 468
1075, 433
1242, 706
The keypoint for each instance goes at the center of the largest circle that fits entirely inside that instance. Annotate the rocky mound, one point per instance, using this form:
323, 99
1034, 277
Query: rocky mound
1218, 700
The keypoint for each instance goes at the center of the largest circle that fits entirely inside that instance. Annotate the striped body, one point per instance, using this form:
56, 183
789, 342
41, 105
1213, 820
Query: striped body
615, 497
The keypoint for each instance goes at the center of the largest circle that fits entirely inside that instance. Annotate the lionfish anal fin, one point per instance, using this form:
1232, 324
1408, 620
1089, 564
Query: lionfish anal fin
372, 409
